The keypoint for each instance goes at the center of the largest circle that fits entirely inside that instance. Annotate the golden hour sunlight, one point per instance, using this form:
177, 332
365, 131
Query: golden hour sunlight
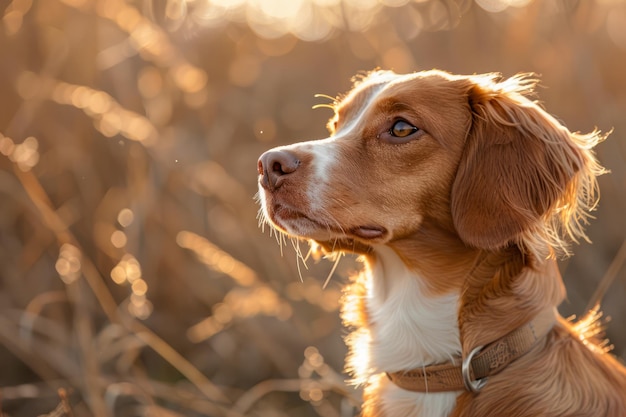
155, 259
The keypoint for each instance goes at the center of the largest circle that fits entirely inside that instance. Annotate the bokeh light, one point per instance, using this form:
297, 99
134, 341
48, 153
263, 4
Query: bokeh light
125, 217
129, 137
25, 155
68, 264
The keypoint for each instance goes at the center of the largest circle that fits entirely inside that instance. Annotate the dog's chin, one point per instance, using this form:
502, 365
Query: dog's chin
344, 245
331, 235
354, 240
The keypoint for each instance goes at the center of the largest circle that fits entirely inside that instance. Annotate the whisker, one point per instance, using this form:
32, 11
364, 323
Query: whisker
281, 242
301, 257
308, 254
295, 243
299, 270
332, 271
334, 99
317, 106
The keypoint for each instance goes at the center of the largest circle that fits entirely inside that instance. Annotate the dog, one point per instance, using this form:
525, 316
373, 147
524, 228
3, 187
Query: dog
459, 192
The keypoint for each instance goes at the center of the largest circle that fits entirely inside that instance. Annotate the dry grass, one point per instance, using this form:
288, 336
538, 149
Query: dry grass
134, 279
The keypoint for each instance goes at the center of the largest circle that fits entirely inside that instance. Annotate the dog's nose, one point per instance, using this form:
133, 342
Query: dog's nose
274, 166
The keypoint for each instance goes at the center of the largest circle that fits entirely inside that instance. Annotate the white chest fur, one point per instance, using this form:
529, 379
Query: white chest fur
409, 329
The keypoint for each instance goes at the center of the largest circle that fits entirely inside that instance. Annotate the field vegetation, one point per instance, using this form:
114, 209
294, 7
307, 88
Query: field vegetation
134, 279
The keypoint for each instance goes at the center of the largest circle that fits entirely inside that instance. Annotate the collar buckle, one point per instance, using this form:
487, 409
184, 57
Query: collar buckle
470, 384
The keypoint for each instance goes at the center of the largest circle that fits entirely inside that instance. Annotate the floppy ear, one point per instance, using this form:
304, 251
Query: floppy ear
518, 165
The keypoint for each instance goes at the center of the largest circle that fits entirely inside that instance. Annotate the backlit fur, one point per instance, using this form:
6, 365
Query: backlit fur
458, 227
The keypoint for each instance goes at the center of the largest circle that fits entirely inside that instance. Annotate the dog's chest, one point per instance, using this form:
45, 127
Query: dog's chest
409, 328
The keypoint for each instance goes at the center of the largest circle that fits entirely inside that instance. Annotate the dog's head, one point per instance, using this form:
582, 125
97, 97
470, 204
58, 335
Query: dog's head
471, 155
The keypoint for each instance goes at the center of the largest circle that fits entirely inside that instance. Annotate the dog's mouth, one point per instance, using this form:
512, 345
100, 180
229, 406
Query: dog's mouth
297, 223
369, 232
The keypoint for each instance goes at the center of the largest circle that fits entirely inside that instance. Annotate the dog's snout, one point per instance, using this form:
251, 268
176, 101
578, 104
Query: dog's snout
274, 166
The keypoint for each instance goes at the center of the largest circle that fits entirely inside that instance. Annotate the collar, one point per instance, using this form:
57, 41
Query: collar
482, 362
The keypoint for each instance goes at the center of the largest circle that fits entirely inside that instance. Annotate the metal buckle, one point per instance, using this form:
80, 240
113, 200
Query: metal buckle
471, 386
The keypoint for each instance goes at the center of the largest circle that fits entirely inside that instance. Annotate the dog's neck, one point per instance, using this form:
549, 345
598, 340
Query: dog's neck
501, 290
430, 298
413, 298
410, 326
506, 290
407, 328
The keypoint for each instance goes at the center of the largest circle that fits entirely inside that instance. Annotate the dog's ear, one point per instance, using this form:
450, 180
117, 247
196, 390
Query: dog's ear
518, 166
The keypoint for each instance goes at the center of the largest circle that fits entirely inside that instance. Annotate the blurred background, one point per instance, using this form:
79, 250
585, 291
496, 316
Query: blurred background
134, 279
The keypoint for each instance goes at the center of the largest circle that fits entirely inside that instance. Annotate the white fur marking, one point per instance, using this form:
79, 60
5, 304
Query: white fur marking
409, 330
325, 153
324, 158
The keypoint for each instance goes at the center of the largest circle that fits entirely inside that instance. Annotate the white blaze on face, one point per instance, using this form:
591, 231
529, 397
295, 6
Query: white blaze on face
325, 158
326, 152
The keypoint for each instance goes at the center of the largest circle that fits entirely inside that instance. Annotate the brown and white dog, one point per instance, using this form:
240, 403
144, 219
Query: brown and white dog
459, 192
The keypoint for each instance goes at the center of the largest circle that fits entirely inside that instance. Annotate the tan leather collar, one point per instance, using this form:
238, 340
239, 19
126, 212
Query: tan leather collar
481, 363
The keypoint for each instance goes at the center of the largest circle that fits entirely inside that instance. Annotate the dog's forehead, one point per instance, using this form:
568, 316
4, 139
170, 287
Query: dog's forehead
364, 90
381, 84
431, 96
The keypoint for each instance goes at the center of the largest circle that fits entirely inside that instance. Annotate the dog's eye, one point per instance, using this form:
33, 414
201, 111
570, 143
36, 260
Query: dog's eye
402, 129
400, 132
